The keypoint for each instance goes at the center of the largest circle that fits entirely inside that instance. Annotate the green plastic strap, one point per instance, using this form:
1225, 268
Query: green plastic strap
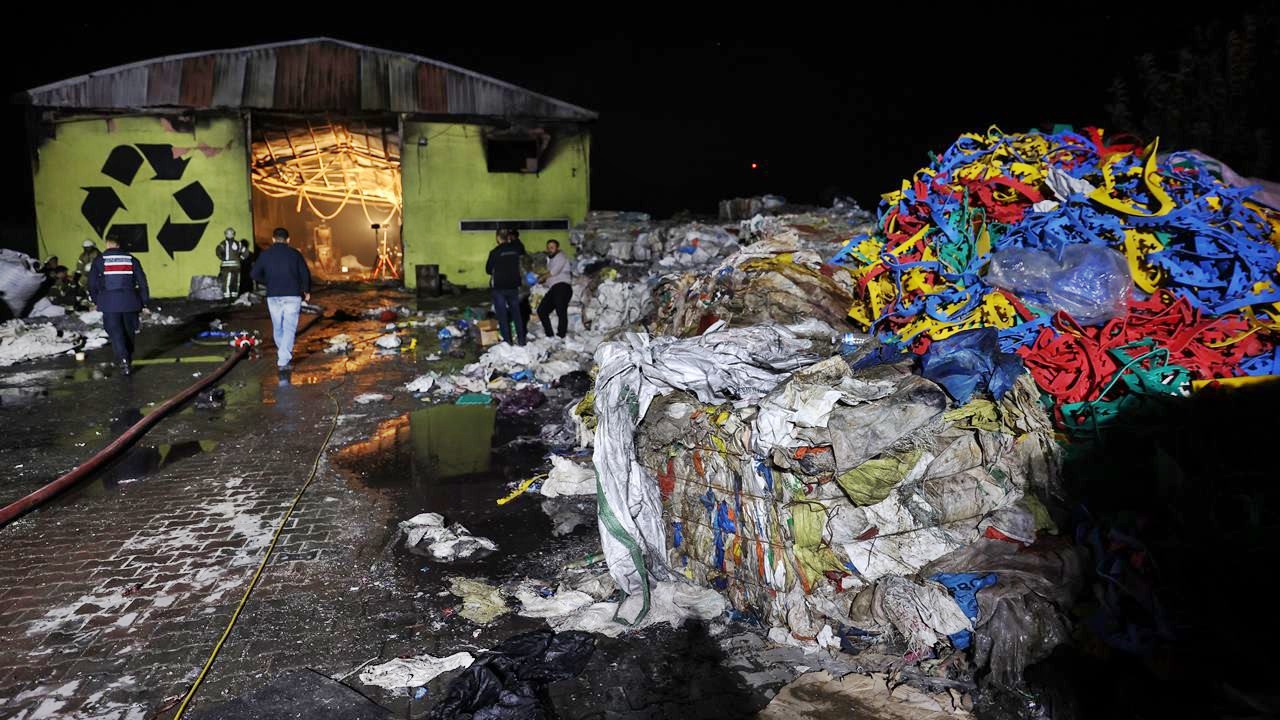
620, 534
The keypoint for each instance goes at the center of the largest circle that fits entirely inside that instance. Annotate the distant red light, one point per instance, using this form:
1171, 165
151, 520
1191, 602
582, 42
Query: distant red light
755, 166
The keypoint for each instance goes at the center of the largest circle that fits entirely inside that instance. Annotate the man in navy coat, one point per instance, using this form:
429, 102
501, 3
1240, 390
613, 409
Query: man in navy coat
118, 287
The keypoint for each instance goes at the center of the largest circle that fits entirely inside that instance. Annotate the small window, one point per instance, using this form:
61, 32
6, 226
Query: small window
516, 151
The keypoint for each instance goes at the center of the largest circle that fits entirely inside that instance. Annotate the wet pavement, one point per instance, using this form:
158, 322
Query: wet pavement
113, 596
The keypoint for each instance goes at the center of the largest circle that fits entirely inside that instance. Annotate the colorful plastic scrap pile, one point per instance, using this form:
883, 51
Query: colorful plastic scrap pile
1114, 272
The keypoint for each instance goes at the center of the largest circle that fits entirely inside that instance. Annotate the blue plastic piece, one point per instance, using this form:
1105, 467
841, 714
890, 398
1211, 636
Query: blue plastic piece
964, 588
677, 534
970, 361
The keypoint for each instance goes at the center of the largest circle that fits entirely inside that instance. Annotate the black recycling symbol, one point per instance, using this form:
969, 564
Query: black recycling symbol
123, 163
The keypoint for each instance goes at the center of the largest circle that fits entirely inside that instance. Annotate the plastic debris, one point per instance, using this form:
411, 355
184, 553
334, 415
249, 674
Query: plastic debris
413, 672
673, 602
388, 341
427, 534
567, 477
422, 384
507, 683
366, 398
481, 603
340, 343
1026, 234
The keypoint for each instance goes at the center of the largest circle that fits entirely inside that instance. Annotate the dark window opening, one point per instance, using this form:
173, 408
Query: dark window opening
516, 151
496, 225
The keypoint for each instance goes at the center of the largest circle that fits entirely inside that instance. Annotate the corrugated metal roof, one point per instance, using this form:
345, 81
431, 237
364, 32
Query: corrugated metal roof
316, 75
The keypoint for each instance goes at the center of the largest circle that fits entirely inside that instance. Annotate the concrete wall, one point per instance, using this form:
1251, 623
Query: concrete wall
172, 191
446, 181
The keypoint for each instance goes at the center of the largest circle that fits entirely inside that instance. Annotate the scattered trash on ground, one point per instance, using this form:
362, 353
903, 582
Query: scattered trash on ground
506, 683
412, 672
426, 534
481, 603
366, 398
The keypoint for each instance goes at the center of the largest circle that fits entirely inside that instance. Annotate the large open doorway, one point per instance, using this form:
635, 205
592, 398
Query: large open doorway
334, 184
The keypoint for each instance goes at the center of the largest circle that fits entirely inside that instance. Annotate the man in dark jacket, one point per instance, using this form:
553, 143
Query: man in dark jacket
118, 287
507, 276
284, 271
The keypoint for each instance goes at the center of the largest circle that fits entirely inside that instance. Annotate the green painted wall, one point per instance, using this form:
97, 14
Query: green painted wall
215, 157
446, 181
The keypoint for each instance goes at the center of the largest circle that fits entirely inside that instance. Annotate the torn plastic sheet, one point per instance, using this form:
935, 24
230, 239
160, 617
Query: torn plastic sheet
443, 544
1024, 616
564, 602
924, 613
481, 603
567, 477
672, 602
339, 343
21, 341
367, 398
389, 341
422, 383
507, 682
412, 672
739, 364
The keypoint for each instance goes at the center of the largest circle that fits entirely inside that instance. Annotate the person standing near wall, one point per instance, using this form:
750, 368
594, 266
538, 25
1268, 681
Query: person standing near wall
232, 253
559, 281
506, 278
118, 287
284, 271
526, 267
84, 263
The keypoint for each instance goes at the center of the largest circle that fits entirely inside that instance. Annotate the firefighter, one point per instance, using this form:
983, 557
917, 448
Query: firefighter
90, 253
232, 253
63, 292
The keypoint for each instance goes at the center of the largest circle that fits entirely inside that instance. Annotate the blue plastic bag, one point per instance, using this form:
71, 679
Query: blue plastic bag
969, 361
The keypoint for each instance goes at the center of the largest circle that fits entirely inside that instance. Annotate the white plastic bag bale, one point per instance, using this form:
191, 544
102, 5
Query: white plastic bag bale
742, 364
20, 278
204, 287
1090, 283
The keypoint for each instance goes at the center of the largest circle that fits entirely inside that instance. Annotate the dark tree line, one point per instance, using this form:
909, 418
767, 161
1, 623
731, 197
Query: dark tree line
1220, 95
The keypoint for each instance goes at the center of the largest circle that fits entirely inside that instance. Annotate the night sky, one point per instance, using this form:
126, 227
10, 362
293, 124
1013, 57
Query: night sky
686, 106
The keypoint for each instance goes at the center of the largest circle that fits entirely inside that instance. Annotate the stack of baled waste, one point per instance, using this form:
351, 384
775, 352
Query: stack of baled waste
773, 280
829, 500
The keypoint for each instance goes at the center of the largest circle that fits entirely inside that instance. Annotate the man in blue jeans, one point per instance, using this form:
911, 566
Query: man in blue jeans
504, 267
284, 271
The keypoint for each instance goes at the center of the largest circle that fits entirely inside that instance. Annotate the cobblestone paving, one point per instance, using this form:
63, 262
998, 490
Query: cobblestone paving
111, 599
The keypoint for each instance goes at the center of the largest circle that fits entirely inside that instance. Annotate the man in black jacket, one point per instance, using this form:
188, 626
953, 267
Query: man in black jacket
507, 275
284, 271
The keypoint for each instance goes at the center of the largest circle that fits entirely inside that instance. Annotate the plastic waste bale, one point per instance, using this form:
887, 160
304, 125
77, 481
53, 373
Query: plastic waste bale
205, 287
774, 280
788, 494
